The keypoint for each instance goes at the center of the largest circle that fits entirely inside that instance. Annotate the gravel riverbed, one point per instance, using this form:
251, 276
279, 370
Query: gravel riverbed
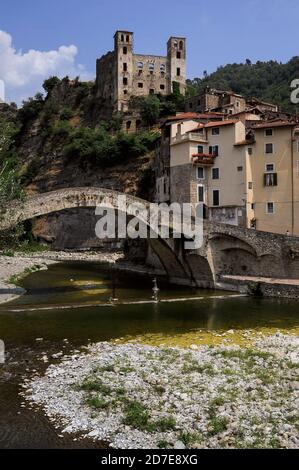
137, 396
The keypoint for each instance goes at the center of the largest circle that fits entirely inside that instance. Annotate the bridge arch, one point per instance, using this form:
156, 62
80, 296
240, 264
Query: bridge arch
91, 197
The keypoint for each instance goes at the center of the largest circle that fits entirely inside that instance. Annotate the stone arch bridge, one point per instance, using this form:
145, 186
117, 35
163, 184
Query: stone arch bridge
226, 249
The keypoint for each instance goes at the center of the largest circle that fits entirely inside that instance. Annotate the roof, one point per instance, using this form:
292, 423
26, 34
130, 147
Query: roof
248, 111
184, 116
271, 124
253, 99
227, 122
201, 125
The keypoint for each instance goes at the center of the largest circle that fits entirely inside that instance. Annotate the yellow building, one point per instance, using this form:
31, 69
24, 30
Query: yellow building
206, 166
272, 173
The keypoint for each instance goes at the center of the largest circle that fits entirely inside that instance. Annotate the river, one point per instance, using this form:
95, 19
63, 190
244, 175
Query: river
70, 305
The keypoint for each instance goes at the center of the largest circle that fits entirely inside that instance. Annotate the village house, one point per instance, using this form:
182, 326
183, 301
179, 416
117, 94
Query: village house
244, 171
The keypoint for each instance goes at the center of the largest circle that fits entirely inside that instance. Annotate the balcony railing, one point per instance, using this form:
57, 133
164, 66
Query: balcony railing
203, 158
188, 137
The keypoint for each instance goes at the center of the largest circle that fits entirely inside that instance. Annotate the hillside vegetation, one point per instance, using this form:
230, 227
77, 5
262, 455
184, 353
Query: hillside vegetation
269, 81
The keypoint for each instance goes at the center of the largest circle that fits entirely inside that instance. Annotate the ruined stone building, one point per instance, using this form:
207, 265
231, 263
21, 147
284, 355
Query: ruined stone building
122, 74
227, 102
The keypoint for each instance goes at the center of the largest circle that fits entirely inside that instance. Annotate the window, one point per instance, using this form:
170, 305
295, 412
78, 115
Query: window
125, 92
178, 55
151, 67
240, 168
270, 179
268, 132
238, 104
253, 206
215, 131
125, 67
178, 72
140, 85
125, 80
128, 125
214, 150
200, 173
122, 38
152, 91
162, 68
125, 50
181, 45
140, 65
216, 197
250, 185
250, 150
128, 38
269, 148
200, 193
200, 149
215, 174
270, 167
162, 87
270, 209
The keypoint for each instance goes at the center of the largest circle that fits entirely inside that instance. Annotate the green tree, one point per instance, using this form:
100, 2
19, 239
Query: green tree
50, 84
150, 110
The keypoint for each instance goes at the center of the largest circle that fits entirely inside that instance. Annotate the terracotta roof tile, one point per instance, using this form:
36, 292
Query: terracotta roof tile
270, 124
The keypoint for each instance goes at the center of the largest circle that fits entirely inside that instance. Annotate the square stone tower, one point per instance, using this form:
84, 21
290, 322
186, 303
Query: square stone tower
121, 74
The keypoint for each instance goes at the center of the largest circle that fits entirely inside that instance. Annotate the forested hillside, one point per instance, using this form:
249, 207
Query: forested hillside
269, 81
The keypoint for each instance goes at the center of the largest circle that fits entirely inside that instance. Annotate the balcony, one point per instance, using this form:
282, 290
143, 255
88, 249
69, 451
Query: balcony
188, 137
203, 159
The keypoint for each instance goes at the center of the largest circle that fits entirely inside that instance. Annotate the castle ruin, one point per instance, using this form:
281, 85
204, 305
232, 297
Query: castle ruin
121, 74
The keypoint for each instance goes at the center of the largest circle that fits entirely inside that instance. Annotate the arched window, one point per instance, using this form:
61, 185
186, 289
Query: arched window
128, 38
181, 45
162, 68
122, 38
140, 65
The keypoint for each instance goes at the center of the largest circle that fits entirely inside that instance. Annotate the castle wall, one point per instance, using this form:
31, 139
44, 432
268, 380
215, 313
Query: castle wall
122, 74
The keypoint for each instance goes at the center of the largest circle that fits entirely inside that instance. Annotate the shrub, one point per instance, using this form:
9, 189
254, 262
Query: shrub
66, 114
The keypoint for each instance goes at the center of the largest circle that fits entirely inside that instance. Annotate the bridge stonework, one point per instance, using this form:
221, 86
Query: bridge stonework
226, 249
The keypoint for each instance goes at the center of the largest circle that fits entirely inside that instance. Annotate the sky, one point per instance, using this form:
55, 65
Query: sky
40, 38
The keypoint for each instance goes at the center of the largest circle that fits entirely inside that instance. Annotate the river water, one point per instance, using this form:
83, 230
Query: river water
70, 305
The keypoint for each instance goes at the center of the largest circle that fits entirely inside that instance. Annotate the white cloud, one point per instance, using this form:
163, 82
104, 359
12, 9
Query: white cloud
24, 73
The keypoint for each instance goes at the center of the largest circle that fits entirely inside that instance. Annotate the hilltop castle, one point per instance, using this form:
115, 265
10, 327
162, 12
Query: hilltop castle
122, 74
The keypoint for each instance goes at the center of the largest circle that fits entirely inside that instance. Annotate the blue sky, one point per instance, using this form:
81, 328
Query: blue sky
76, 31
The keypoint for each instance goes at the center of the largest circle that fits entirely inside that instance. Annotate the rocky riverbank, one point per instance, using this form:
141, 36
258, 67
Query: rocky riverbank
136, 396
15, 267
